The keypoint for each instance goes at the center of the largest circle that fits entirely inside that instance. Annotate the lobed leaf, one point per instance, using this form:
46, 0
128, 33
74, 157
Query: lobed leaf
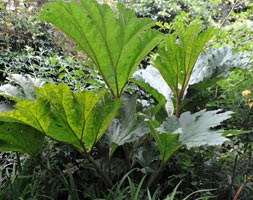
192, 130
79, 119
197, 129
178, 54
152, 81
216, 64
116, 41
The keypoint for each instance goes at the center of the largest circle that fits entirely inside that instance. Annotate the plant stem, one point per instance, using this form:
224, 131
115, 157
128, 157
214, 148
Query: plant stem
154, 178
96, 165
109, 167
126, 155
178, 111
236, 3
233, 177
238, 192
19, 162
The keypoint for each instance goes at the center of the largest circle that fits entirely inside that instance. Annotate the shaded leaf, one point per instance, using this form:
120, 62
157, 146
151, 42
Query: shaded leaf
128, 127
168, 143
146, 157
152, 81
21, 138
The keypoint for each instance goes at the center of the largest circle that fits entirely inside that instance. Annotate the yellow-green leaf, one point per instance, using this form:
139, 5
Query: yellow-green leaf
116, 41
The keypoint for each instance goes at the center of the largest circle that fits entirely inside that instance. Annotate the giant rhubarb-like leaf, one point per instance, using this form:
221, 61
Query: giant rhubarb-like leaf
216, 64
116, 41
198, 128
79, 119
192, 130
179, 52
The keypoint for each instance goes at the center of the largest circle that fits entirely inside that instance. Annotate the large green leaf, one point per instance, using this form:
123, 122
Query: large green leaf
116, 41
210, 67
79, 118
178, 54
20, 137
31, 113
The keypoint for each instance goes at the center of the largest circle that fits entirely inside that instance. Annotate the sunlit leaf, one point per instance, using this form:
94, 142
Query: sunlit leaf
216, 64
116, 41
179, 52
20, 87
79, 119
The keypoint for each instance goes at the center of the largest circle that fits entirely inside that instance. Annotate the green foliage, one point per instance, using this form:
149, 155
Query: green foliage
173, 194
158, 9
127, 128
178, 54
48, 175
151, 80
238, 34
31, 47
115, 41
212, 67
211, 11
21, 28
192, 130
21, 138
130, 191
83, 117
146, 156
167, 143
